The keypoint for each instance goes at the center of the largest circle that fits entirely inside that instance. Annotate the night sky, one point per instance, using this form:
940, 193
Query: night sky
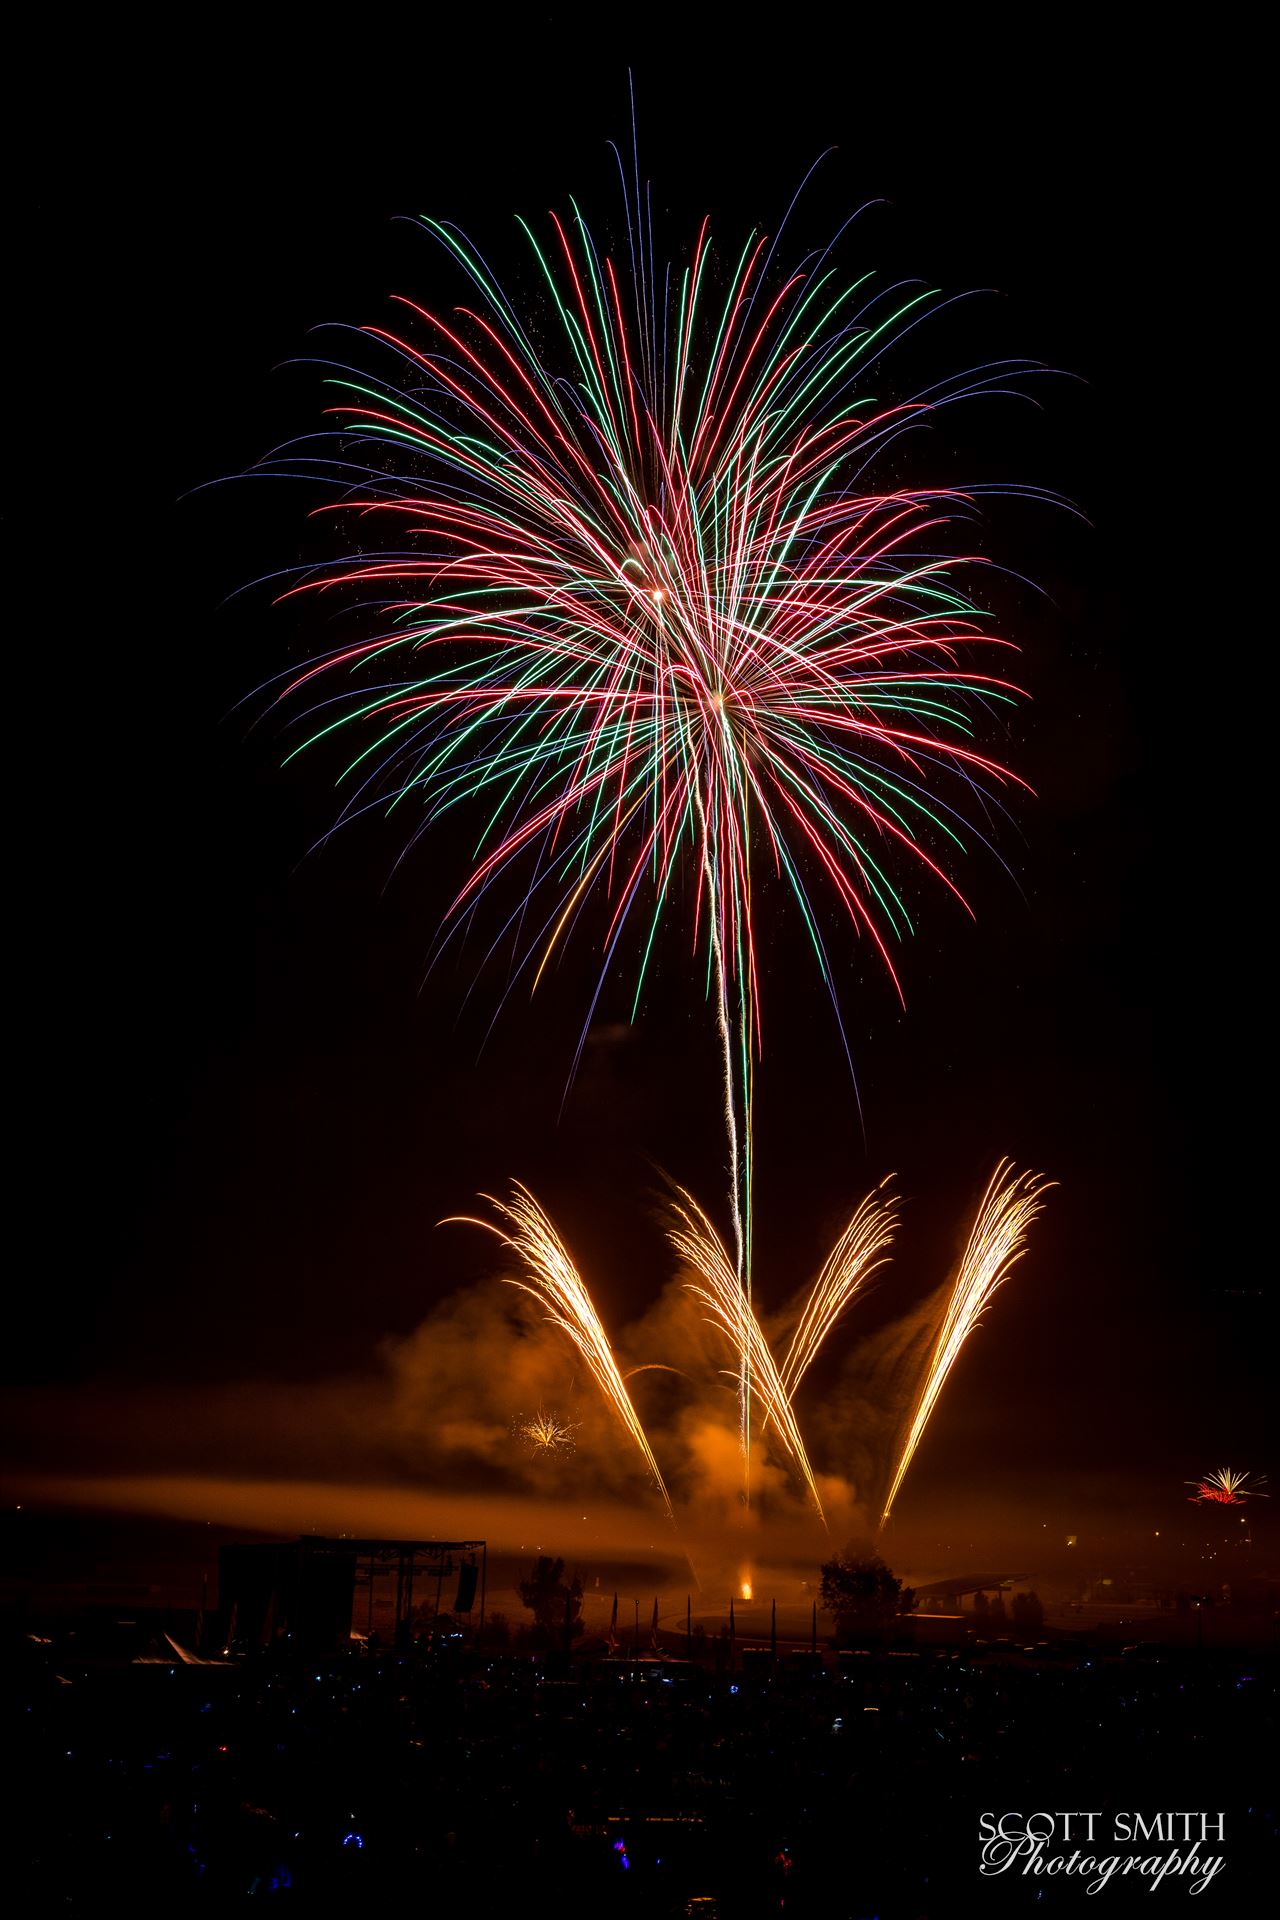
251, 1107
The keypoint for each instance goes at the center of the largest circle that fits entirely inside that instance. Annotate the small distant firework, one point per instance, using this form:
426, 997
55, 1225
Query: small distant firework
545, 1432
696, 1240
556, 1283
1226, 1488
999, 1239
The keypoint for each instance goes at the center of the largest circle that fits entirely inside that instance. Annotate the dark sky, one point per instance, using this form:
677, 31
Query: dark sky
249, 1111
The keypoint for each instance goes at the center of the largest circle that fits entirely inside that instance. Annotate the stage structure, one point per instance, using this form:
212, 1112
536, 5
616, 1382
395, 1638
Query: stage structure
316, 1592
417, 1560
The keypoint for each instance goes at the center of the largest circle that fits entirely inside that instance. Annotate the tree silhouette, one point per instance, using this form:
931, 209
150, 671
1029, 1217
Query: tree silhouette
552, 1600
862, 1593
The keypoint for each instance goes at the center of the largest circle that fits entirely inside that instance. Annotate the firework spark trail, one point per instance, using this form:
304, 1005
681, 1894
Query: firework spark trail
849, 1265
556, 1284
697, 1242
642, 610
739, 1163
997, 1241
1226, 1487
